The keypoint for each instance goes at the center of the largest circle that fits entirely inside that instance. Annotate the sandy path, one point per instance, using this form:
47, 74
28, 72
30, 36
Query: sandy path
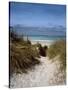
45, 74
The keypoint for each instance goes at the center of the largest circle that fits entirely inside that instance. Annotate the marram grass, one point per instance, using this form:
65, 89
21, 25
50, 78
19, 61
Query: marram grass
58, 48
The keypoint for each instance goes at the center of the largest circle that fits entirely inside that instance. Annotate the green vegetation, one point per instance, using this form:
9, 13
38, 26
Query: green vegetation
58, 48
23, 55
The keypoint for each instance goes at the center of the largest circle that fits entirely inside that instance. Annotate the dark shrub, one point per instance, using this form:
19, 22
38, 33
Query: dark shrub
45, 48
41, 50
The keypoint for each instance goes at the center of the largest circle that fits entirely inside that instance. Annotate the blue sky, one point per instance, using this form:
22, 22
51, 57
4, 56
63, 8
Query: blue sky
29, 14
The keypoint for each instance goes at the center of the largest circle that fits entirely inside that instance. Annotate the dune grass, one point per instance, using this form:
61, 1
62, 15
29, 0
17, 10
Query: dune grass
58, 48
22, 54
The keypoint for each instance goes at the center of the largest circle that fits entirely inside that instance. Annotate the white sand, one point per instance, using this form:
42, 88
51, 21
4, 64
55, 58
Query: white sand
45, 74
42, 42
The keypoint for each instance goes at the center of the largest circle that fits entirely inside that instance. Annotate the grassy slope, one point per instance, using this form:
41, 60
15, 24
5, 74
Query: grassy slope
58, 48
22, 54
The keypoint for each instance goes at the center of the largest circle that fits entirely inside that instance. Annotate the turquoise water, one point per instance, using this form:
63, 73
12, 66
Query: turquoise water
44, 37
34, 33
41, 34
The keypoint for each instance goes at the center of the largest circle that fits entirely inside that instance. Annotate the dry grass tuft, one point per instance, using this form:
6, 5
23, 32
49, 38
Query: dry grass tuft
58, 48
22, 54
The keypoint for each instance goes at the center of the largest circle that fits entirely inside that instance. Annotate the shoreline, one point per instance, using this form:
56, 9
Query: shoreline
42, 42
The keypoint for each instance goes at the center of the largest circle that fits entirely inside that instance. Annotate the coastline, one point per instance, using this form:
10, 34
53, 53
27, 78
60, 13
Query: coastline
43, 42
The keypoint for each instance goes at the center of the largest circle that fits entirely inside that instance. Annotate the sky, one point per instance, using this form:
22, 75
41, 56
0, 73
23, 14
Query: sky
33, 14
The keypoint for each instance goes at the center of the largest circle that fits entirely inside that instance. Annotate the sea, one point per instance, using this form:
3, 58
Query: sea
36, 33
45, 37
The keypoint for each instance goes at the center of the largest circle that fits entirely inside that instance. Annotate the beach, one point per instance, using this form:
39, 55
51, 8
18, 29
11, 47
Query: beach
43, 42
45, 74
37, 45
